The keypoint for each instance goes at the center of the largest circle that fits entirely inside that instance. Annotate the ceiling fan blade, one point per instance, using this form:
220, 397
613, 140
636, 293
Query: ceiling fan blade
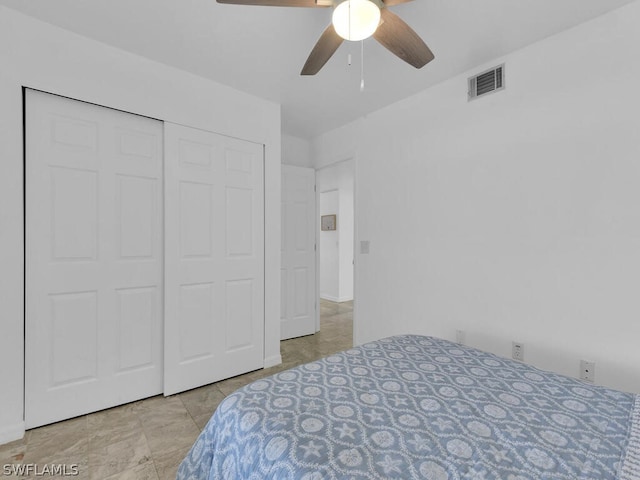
278, 3
390, 3
323, 50
400, 39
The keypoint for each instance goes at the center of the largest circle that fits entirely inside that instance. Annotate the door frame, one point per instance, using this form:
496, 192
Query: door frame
342, 160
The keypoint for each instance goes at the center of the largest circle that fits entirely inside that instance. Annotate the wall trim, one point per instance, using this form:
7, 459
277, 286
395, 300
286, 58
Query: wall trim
329, 297
11, 433
272, 361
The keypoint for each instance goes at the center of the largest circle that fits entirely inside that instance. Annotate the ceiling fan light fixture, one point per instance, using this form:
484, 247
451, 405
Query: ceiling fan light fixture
356, 19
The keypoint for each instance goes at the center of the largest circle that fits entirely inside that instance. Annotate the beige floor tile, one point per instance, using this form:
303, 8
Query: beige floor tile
118, 432
327, 308
146, 471
13, 452
232, 384
148, 439
121, 415
70, 448
154, 406
119, 456
167, 466
174, 435
76, 427
202, 420
157, 414
202, 401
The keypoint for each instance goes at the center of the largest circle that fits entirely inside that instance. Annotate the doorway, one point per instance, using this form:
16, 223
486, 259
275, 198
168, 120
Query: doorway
336, 246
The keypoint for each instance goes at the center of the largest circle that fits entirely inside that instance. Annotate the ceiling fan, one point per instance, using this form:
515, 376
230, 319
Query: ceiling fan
356, 20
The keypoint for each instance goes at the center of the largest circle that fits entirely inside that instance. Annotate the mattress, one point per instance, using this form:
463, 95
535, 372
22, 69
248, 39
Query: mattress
415, 407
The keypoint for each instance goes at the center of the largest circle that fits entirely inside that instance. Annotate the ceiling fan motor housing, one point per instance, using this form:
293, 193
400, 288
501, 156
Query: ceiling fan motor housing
356, 19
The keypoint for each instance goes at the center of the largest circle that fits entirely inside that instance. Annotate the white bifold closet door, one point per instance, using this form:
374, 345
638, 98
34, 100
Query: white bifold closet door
93, 258
214, 257
298, 240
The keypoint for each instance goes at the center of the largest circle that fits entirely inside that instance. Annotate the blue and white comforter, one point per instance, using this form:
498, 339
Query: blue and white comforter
413, 407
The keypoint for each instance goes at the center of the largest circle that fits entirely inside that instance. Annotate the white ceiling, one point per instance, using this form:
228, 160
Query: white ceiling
261, 50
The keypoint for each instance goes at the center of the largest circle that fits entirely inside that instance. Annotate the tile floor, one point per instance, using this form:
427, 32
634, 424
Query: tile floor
148, 439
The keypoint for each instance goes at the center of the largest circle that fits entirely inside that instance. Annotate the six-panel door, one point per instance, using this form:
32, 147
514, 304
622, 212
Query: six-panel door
214, 257
93, 258
298, 271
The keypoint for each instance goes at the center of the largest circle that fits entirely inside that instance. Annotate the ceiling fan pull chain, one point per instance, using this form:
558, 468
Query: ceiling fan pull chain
362, 65
349, 4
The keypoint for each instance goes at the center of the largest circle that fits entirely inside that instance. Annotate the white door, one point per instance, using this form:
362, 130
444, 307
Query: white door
214, 257
298, 240
93, 258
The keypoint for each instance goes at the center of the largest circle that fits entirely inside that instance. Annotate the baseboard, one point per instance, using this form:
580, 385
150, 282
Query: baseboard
330, 298
11, 433
345, 299
335, 299
272, 361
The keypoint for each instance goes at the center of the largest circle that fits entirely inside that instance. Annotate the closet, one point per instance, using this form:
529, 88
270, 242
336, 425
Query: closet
144, 251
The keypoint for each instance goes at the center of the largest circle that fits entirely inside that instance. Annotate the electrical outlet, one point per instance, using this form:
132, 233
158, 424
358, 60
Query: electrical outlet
460, 337
587, 371
517, 351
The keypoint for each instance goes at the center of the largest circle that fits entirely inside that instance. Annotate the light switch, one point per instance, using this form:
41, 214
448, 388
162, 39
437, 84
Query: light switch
364, 247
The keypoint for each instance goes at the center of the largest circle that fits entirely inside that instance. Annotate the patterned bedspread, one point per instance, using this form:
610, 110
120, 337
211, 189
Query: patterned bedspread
414, 407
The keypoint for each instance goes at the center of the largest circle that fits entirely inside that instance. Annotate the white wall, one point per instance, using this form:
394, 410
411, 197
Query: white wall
514, 216
38, 55
329, 248
296, 151
337, 145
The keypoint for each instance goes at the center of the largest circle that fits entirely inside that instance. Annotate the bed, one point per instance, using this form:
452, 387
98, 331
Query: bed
415, 407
